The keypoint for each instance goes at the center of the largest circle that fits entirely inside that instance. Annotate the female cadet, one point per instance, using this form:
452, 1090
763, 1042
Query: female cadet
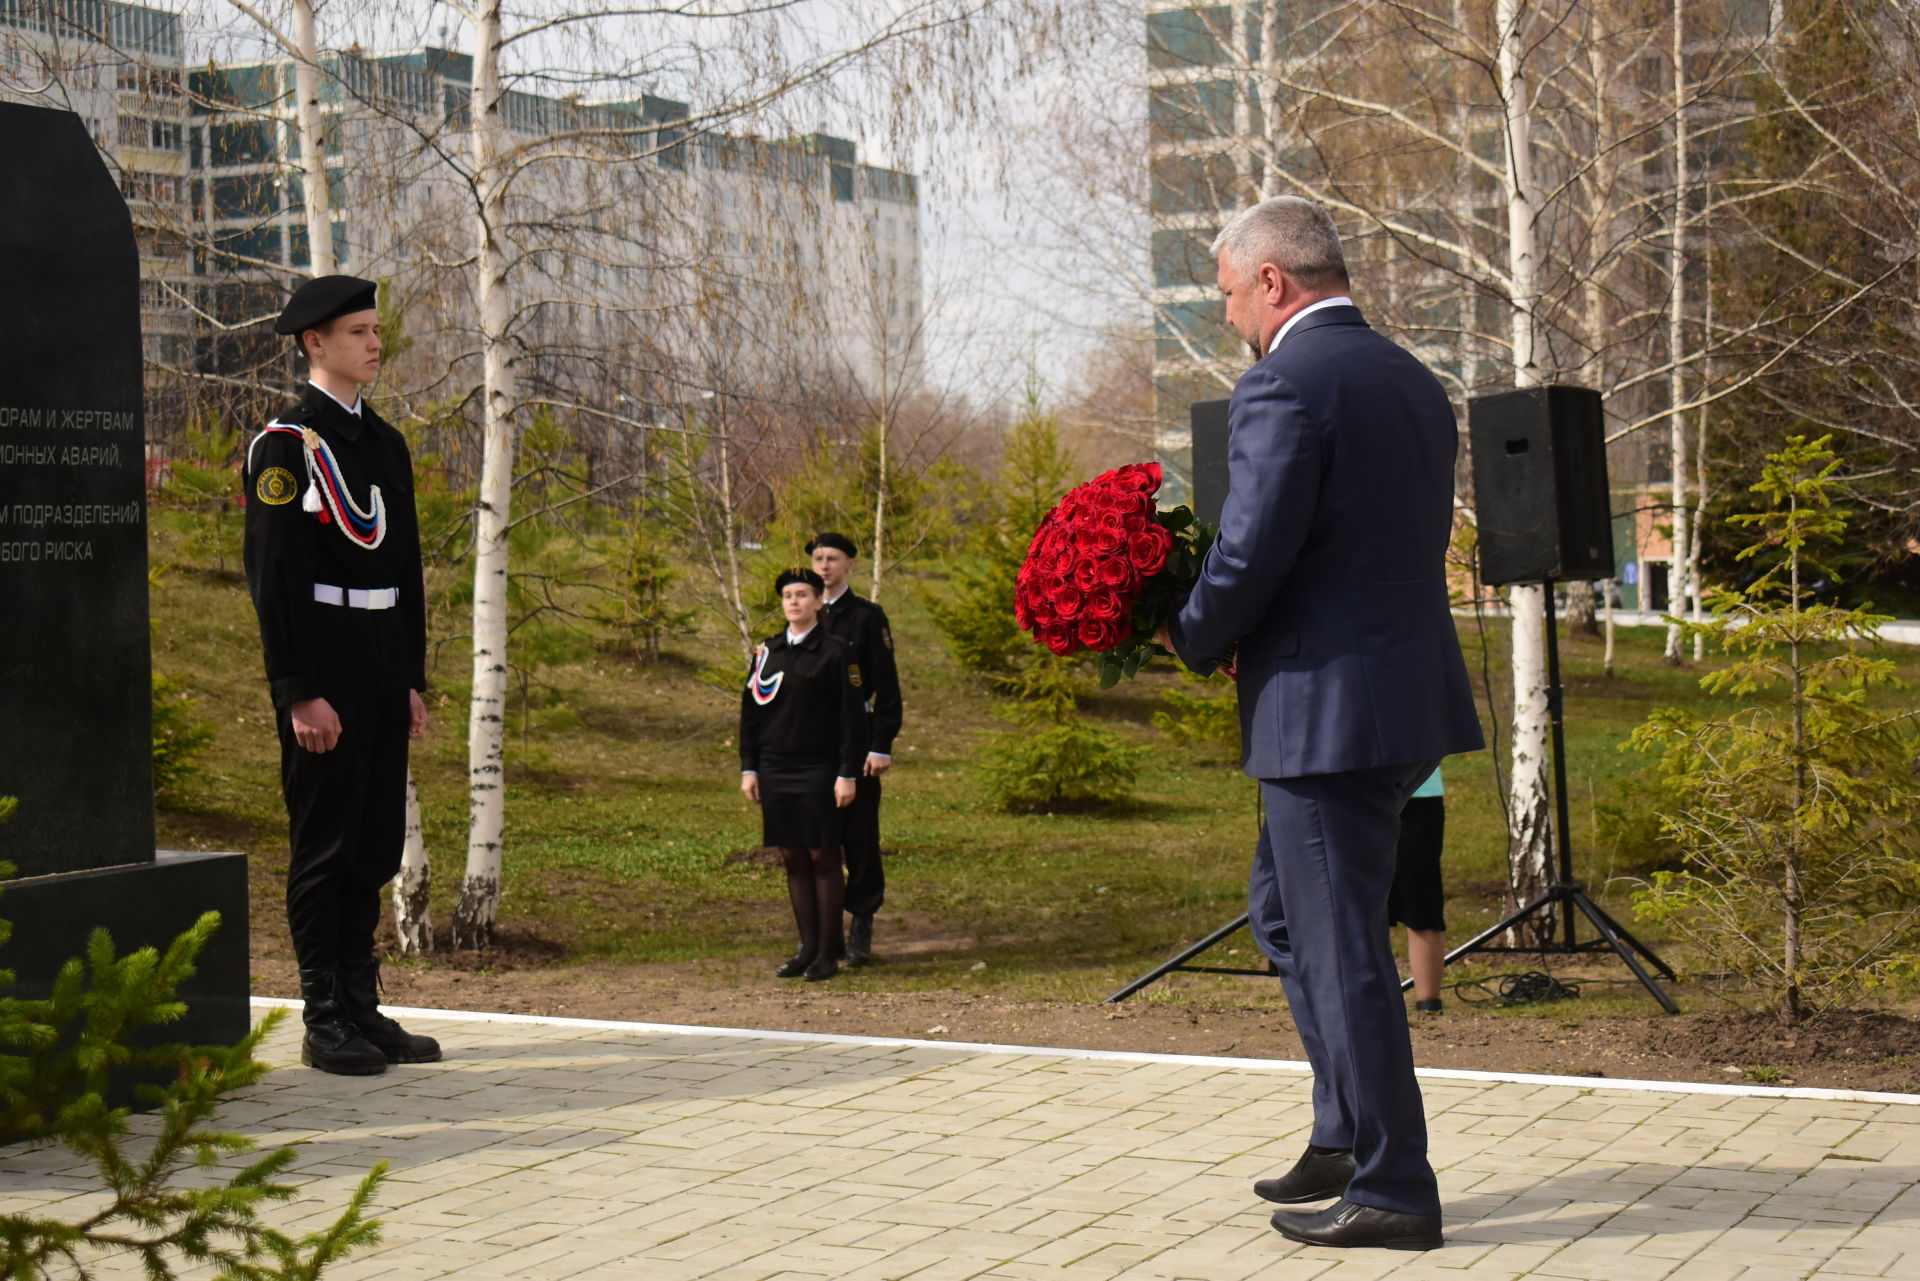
803, 739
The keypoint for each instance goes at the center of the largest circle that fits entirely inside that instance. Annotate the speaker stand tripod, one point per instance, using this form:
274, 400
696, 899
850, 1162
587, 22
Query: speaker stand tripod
1565, 900
1179, 962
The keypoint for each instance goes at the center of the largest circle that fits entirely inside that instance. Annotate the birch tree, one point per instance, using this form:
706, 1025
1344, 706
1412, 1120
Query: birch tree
497, 170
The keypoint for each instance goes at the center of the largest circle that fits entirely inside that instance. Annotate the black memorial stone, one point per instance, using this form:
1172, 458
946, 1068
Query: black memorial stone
75, 693
76, 745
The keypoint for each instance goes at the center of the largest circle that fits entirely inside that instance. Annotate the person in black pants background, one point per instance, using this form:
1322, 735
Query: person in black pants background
803, 739
863, 626
1418, 899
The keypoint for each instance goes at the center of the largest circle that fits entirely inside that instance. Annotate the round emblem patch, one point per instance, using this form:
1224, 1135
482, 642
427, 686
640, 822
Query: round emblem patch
275, 486
853, 675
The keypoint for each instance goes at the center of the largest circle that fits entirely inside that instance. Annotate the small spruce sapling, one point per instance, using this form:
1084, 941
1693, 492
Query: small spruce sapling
56, 1058
1792, 808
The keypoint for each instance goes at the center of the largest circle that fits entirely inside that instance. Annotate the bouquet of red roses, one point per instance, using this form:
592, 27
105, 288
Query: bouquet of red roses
1106, 568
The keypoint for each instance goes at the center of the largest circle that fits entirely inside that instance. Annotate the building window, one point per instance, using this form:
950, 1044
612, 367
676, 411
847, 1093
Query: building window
155, 135
240, 142
1182, 258
245, 195
258, 243
158, 188
1188, 37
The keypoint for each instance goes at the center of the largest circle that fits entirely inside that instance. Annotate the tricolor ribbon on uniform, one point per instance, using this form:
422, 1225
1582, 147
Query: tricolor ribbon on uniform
327, 491
761, 686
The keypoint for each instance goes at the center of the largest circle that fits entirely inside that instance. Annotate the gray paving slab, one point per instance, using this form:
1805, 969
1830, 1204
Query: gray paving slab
567, 1149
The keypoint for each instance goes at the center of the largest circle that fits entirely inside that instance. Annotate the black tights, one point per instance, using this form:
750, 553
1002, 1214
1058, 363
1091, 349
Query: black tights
816, 889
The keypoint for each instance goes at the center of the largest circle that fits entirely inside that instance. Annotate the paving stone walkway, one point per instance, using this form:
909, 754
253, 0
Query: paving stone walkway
558, 1149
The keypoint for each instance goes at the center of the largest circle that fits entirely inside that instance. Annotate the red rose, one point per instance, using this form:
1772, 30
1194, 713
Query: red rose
1098, 541
1119, 574
1100, 633
1138, 478
1068, 601
1059, 638
1148, 550
1086, 574
1105, 605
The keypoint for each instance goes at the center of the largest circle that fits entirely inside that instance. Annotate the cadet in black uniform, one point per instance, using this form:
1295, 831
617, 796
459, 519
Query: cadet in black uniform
803, 739
863, 626
333, 563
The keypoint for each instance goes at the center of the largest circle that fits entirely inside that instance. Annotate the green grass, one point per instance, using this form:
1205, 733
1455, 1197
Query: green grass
625, 823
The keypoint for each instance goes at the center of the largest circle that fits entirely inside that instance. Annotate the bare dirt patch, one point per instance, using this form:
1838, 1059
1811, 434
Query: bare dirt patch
1879, 1051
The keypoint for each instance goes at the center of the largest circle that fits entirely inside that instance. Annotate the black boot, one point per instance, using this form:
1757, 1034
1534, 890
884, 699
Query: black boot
360, 983
860, 941
333, 1042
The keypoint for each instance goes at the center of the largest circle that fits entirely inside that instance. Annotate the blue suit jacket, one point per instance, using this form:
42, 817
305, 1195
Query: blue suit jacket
1329, 573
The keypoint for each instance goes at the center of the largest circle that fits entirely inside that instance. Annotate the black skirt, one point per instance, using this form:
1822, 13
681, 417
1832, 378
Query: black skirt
1418, 900
796, 804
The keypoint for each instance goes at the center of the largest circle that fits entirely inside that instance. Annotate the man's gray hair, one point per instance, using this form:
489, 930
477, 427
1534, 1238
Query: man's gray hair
1293, 234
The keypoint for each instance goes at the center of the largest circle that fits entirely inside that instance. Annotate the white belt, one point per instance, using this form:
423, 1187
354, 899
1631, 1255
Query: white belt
357, 597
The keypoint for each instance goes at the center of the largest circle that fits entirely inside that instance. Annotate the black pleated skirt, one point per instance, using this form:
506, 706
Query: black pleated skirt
796, 804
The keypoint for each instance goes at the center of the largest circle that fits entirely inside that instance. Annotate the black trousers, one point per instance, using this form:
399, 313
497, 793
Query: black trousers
347, 823
866, 880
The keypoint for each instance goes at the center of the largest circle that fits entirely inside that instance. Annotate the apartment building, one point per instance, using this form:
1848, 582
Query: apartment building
647, 214
121, 68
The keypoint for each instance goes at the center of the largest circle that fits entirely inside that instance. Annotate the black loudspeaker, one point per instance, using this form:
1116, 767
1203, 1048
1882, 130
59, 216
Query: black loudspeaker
1208, 419
1540, 485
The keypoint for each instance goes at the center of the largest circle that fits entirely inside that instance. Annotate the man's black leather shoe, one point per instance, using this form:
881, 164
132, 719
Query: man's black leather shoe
1317, 1175
1345, 1224
332, 1042
860, 941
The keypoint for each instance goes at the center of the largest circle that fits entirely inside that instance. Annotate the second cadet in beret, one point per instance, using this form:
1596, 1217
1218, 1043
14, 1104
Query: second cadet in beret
869, 638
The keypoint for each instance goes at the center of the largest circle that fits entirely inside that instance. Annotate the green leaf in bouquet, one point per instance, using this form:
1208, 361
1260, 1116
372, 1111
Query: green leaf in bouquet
1109, 668
1135, 661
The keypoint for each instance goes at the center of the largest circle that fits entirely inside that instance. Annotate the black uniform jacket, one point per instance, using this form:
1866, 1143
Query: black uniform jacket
863, 626
314, 650
817, 713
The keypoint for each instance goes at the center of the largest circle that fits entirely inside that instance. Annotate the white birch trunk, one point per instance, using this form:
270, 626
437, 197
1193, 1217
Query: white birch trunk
1270, 29
412, 922
1679, 585
410, 890
730, 536
313, 151
880, 495
1607, 604
1529, 858
479, 900
1700, 499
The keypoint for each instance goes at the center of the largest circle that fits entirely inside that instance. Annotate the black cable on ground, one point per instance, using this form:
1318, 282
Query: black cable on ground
1530, 988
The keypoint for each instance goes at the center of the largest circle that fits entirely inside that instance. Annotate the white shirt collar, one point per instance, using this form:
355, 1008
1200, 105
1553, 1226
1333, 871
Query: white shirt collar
1303, 313
353, 409
828, 600
794, 638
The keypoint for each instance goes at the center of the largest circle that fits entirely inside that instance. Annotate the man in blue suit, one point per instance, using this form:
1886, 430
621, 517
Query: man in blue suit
1327, 588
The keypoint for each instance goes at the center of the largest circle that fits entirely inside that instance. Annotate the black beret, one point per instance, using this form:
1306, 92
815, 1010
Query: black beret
324, 297
839, 543
789, 577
